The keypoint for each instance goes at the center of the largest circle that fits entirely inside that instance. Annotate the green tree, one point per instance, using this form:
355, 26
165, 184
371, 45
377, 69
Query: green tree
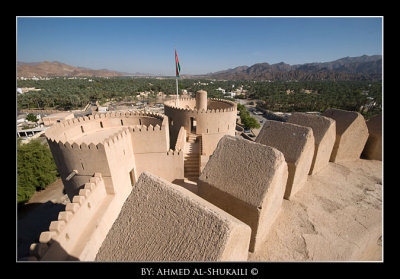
31, 117
35, 169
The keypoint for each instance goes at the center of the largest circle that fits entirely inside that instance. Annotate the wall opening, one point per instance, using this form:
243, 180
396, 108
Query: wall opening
122, 123
82, 129
132, 177
193, 125
140, 121
101, 124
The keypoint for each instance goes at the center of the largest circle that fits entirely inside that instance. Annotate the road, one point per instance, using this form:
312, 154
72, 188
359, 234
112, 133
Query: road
251, 109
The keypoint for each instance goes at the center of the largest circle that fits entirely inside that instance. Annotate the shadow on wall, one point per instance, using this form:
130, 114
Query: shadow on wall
187, 185
57, 253
33, 219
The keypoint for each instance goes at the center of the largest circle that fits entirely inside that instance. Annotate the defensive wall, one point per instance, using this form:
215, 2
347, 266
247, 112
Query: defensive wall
118, 145
214, 119
239, 197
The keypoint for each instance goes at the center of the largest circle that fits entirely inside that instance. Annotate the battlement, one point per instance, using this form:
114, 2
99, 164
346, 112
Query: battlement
63, 241
215, 105
76, 127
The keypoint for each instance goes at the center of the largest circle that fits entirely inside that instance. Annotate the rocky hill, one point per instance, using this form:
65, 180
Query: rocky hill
51, 69
348, 68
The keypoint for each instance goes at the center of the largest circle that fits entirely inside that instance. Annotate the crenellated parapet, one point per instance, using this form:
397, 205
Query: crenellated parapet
68, 236
100, 142
75, 128
214, 105
211, 118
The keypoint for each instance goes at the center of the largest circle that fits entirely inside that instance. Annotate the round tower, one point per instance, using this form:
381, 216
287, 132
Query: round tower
201, 100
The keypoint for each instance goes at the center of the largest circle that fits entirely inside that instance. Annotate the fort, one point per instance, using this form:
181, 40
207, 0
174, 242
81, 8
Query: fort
127, 176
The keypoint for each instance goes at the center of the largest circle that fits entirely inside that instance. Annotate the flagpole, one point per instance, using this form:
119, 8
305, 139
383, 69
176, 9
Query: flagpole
177, 98
176, 79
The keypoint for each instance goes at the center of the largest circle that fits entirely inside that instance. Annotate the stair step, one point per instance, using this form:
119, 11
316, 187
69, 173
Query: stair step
192, 178
191, 163
192, 168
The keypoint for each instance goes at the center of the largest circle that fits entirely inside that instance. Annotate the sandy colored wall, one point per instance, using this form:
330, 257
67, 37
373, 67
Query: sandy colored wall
81, 228
50, 120
64, 240
121, 161
351, 134
146, 139
297, 144
324, 131
181, 140
168, 165
164, 222
373, 147
122, 141
86, 159
213, 121
254, 199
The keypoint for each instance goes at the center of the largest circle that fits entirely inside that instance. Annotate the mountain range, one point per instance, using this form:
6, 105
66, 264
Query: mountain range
55, 68
348, 68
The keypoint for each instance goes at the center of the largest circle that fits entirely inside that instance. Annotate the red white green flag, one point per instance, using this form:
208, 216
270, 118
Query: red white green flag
177, 66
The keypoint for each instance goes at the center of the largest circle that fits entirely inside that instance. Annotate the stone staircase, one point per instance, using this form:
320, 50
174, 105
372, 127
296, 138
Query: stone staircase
191, 158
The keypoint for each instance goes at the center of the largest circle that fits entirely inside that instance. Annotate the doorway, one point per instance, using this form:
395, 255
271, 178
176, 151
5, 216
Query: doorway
193, 125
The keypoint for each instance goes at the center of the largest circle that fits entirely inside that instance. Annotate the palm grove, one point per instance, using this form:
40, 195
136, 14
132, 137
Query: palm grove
284, 96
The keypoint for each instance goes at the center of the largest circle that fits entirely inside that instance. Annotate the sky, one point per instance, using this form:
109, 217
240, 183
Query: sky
203, 44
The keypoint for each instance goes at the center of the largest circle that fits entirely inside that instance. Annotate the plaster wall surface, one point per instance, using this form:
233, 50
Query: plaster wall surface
161, 221
324, 131
247, 180
351, 134
297, 145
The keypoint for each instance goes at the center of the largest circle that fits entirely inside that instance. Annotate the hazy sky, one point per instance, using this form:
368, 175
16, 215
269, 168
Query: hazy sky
204, 44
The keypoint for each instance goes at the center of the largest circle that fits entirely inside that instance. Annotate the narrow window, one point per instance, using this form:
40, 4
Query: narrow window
82, 129
122, 123
132, 177
140, 121
101, 124
207, 131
